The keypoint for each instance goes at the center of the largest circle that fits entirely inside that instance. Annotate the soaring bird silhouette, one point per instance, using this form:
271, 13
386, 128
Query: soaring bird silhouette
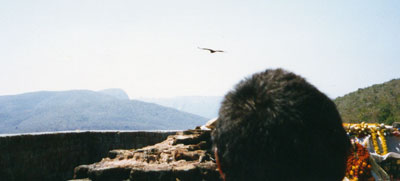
211, 50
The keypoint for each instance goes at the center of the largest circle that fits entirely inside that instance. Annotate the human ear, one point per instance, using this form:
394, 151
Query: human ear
218, 163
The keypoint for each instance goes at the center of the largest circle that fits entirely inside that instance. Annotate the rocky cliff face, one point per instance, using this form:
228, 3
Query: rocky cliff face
186, 155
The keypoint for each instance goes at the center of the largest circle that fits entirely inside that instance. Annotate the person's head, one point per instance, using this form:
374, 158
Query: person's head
276, 126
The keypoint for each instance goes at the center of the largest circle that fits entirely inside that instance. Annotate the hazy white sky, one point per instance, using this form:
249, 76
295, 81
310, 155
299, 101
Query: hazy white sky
149, 48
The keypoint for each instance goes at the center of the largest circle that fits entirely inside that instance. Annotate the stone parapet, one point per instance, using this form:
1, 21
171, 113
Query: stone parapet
54, 155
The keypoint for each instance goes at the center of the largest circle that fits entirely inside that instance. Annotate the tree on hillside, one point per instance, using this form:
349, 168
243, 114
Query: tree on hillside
376, 104
385, 115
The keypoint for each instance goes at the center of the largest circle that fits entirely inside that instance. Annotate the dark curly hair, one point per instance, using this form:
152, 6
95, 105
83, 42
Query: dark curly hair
276, 126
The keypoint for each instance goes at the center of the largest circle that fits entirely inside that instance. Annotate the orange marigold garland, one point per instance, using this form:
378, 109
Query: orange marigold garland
358, 166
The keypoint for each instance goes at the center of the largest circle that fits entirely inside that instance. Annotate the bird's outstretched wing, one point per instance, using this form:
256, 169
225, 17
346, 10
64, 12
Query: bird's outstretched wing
211, 50
205, 49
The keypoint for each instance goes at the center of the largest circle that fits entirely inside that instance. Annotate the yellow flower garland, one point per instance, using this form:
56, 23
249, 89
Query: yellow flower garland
383, 141
374, 141
363, 129
381, 135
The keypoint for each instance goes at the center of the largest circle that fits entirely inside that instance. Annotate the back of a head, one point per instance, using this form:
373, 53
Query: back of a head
276, 126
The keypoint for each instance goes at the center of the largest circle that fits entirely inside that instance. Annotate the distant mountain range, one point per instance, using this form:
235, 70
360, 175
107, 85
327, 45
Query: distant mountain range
379, 103
88, 110
117, 93
111, 109
205, 106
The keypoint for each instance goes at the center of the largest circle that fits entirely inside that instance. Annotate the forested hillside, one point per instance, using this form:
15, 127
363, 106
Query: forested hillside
379, 103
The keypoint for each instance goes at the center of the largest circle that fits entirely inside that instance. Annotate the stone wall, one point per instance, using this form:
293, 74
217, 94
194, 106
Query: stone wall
53, 156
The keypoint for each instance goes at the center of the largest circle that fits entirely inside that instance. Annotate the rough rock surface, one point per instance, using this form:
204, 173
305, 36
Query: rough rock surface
184, 156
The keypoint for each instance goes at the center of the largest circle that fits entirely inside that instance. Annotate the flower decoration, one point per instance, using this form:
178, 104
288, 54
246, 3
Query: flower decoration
358, 166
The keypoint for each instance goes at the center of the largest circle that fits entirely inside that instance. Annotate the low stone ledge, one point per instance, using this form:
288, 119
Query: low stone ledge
54, 155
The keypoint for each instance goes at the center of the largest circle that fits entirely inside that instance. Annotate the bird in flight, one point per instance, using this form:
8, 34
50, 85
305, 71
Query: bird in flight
211, 50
